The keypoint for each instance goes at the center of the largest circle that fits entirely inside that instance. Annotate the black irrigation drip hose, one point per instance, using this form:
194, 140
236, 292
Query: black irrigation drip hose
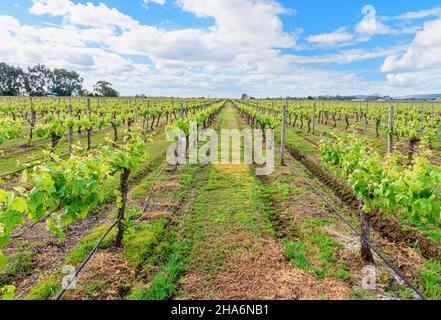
95, 249
46, 141
89, 257
32, 166
151, 191
42, 142
8, 155
17, 171
28, 167
368, 243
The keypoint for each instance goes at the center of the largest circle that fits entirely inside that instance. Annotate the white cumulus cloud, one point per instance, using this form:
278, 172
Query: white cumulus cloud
147, 2
419, 64
245, 49
88, 14
341, 35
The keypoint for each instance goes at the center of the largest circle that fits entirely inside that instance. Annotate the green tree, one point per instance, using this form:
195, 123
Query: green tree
11, 80
85, 93
104, 89
66, 83
37, 80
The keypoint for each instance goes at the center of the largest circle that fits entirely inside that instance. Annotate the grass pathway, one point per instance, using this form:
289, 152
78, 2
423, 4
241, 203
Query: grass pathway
235, 254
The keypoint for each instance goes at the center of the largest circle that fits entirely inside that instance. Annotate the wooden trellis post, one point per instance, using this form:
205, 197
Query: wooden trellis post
390, 148
366, 119
283, 141
256, 125
32, 120
70, 128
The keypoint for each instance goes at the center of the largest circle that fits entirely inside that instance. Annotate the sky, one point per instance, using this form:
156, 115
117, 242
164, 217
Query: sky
223, 48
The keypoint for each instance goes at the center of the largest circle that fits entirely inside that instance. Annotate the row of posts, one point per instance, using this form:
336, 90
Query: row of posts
32, 121
70, 111
284, 124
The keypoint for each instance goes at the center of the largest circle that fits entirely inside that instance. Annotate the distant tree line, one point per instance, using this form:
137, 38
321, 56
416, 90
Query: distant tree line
39, 81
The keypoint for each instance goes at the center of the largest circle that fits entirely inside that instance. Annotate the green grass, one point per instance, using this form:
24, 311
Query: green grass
296, 253
318, 223
294, 140
343, 272
434, 235
406, 293
227, 201
154, 245
431, 279
437, 145
431, 230
46, 289
141, 191
19, 265
141, 244
362, 295
327, 247
173, 252
93, 288
306, 245
164, 284
83, 249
